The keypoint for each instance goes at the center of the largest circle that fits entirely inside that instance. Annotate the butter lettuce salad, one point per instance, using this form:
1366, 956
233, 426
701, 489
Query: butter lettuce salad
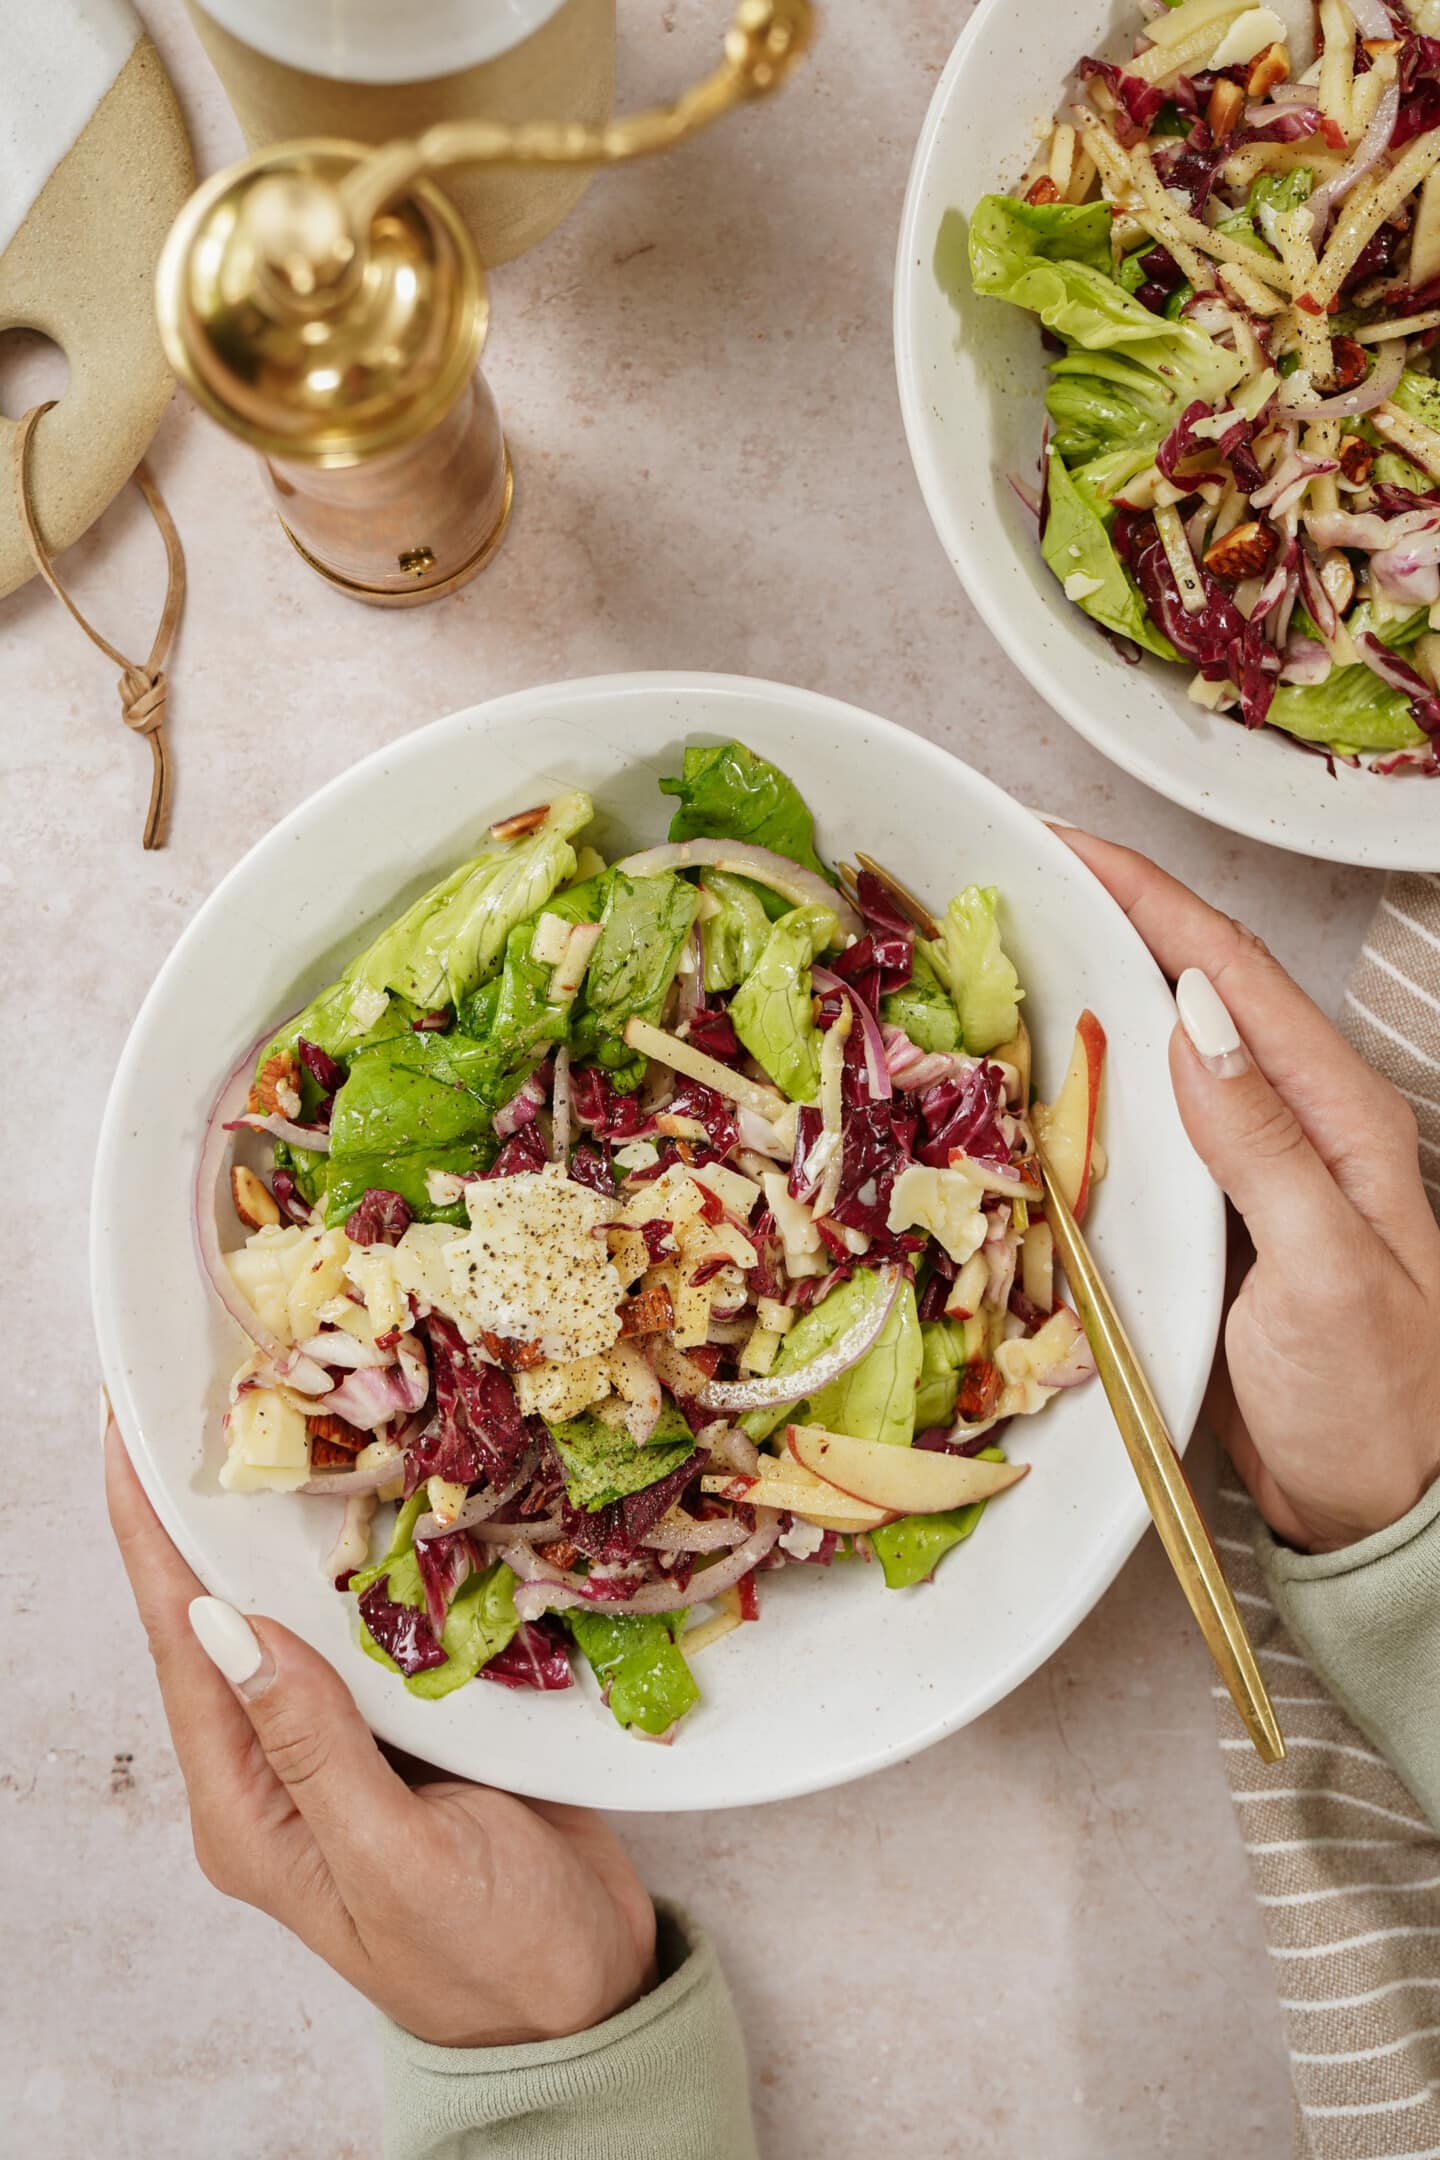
639, 1229
1231, 240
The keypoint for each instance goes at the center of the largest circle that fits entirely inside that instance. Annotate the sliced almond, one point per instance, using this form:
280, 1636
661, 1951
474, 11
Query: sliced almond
1267, 68
1243, 552
255, 1204
1227, 103
524, 821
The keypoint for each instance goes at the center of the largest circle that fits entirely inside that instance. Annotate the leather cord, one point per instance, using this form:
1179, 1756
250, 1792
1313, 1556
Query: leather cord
143, 685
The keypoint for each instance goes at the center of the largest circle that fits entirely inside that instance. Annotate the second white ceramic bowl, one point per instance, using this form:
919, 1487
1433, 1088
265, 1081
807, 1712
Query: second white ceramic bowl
972, 380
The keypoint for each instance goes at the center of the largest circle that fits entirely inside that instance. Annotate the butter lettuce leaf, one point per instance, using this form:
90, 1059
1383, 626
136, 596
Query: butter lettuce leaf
1075, 542
480, 1622
875, 1400
409, 1105
975, 968
924, 1008
814, 1331
771, 1011
728, 793
639, 1664
1351, 710
645, 922
602, 1463
910, 1550
733, 939
942, 1360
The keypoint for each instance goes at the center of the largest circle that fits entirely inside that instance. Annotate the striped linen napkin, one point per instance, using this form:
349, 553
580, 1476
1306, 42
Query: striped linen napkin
1346, 1870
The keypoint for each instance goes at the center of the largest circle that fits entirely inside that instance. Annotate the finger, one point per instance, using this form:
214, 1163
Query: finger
311, 1734
1251, 1141
1357, 1123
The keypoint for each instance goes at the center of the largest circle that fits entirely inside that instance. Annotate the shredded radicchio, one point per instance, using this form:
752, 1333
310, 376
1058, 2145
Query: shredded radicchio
589, 1165
713, 1031
535, 1657
444, 1563
327, 1072
963, 1117
614, 1532
720, 1118
402, 1631
524, 1150
382, 1218
477, 1430
598, 1103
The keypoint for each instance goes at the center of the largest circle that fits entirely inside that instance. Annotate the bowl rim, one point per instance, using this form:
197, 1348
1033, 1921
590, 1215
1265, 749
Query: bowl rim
745, 1786
979, 572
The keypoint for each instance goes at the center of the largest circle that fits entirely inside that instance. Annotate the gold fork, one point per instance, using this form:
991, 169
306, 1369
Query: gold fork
1176, 1513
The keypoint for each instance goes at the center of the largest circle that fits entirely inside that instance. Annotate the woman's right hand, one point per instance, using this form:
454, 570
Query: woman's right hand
1333, 1340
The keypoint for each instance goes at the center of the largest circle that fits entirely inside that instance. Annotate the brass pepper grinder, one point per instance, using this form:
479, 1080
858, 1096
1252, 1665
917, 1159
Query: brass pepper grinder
324, 303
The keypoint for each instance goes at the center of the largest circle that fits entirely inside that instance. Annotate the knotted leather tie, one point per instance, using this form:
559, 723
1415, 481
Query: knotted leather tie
142, 683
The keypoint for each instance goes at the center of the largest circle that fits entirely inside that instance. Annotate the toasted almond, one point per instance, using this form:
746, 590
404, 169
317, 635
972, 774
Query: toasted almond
1243, 552
1337, 577
1357, 462
255, 1204
334, 1444
524, 821
1267, 68
981, 1386
651, 1313
514, 1356
1227, 103
276, 1092
1042, 190
1351, 363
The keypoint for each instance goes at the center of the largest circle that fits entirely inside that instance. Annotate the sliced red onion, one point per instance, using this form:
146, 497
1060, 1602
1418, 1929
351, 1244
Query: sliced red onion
685, 1535
760, 1136
368, 1398
1377, 386
777, 872
1283, 490
1306, 662
1028, 495
351, 1548
1370, 148
913, 1069
1396, 673
690, 984
1372, 19
1367, 529
540, 1591
1073, 1365
480, 1506
1408, 571
313, 1138
335, 1346
523, 1107
770, 1391
342, 1483
562, 1123
205, 1208
731, 1446
1318, 604
877, 1071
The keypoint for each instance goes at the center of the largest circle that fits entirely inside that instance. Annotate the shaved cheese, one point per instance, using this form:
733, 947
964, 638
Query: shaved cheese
796, 1226
1367, 209
1078, 586
1193, 16
1247, 37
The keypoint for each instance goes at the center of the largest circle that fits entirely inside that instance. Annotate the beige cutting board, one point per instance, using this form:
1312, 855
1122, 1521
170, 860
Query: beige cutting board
94, 167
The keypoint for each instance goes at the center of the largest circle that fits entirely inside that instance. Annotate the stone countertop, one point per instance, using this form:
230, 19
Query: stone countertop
1044, 1941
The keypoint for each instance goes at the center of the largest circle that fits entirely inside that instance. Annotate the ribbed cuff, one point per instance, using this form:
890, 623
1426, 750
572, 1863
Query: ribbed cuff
664, 2080
1368, 1618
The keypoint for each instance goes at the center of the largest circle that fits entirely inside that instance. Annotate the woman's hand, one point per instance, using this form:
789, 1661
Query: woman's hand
471, 1918
1333, 1341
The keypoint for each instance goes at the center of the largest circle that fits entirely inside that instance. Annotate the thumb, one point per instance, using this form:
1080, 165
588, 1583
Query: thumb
1246, 1134
308, 1727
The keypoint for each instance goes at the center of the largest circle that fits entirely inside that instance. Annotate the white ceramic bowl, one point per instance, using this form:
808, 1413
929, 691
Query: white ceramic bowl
841, 1676
972, 379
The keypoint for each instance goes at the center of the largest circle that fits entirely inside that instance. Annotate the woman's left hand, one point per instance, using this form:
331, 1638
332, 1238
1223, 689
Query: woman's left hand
470, 1918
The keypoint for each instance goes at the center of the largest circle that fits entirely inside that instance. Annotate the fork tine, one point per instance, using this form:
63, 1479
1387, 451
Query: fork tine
905, 900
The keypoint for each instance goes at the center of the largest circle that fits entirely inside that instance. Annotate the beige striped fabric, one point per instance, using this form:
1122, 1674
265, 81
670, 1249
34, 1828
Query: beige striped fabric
1345, 1867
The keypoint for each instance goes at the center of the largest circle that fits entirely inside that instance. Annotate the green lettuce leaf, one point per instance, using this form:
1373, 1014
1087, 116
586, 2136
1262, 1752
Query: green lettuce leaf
637, 1660
602, 1463
1074, 541
733, 940
1010, 241
645, 922
400, 1549
1419, 395
446, 943
971, 962
1351, 710
910, 1550
1272, 195
772, 1012
478, 1625
410, 1105
728, 793
875, 1400
840, 1310
942, 1360
1396, 471
924, 1009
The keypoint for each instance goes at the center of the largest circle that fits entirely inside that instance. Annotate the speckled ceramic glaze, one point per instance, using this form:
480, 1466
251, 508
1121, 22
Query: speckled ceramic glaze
841, 1676
971, 381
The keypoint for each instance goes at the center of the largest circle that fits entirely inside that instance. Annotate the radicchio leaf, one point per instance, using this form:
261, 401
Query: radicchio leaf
382, 1218
535, 1657
477, 1430
401, 1631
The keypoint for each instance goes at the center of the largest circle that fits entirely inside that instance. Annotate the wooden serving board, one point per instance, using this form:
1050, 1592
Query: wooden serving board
94, 168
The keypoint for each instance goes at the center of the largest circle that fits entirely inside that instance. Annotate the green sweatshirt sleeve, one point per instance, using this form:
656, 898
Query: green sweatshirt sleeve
1368, 1619
665, 2080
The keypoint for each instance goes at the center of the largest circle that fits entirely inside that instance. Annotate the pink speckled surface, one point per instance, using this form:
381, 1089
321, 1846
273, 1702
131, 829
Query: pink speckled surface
1042, 1942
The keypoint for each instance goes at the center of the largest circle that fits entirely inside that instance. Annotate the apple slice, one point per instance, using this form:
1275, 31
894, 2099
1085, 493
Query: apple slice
818, 1502
908, 1481
1067, 1126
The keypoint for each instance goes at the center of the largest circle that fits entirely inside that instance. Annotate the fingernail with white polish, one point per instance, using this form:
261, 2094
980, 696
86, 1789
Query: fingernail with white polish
231, 1645
1214, 1037
1048, 817
105, 1415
